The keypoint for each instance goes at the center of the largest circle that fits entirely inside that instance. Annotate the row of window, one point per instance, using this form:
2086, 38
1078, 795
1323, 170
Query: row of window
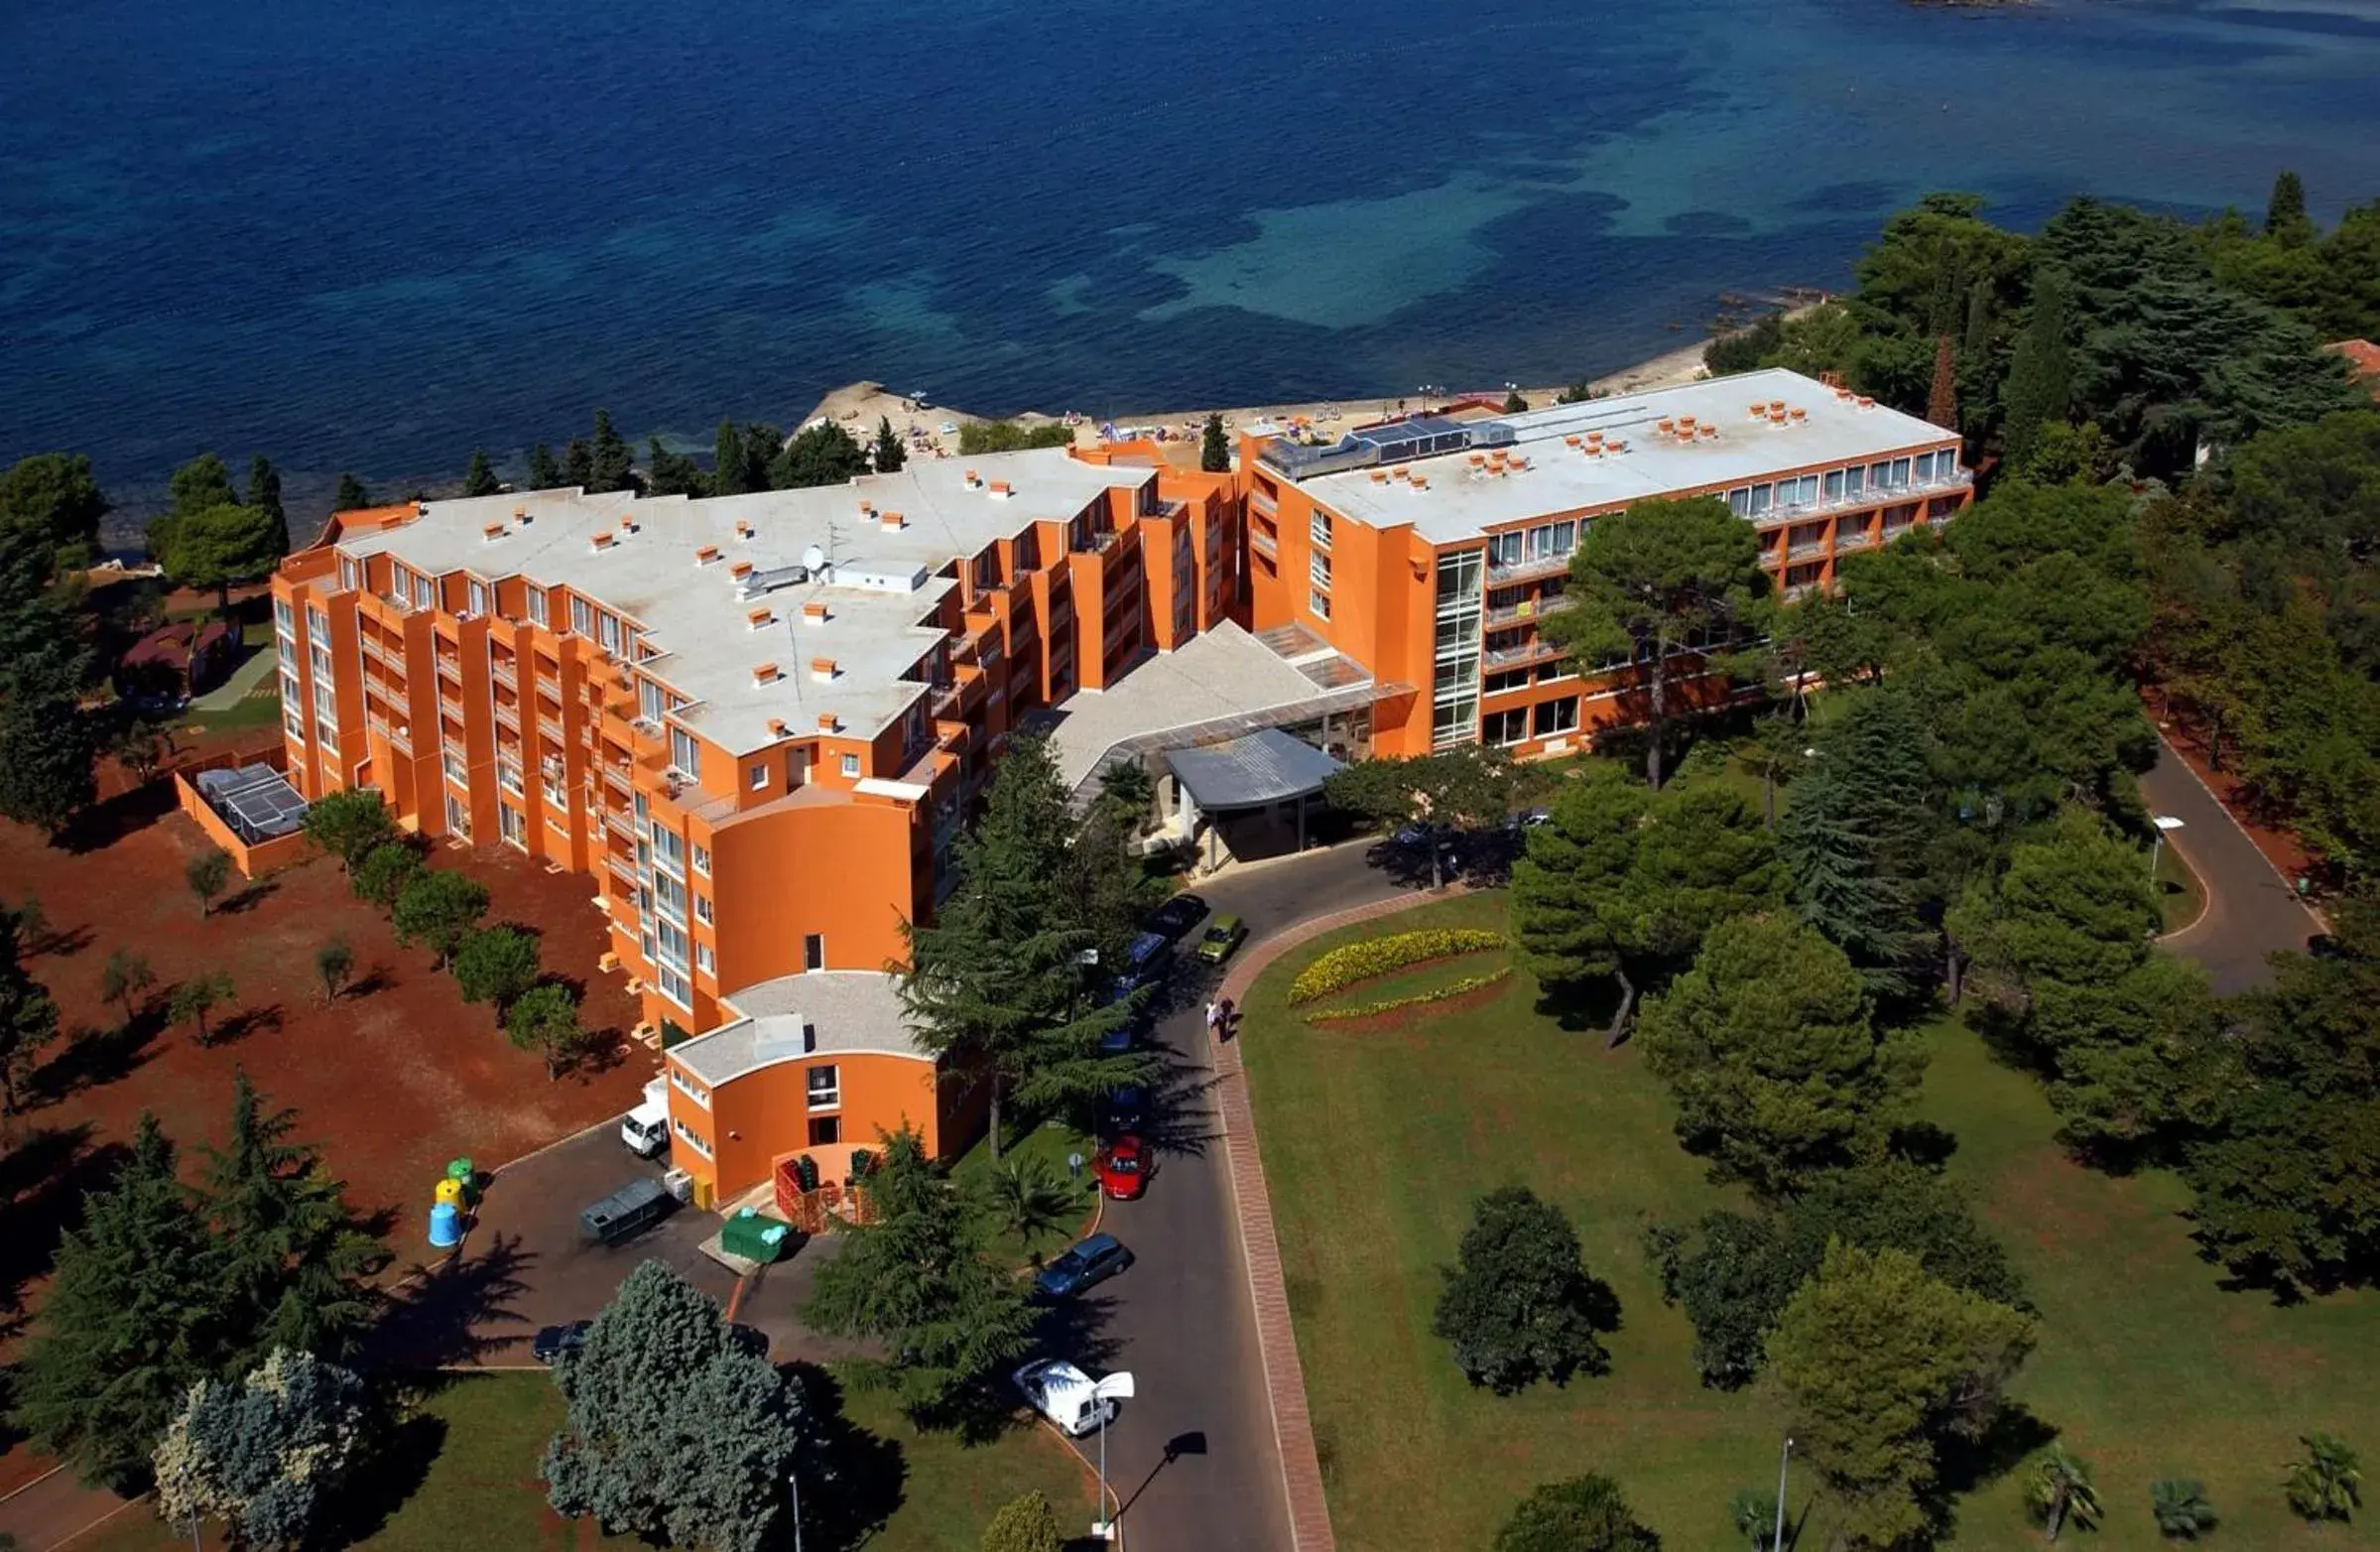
1842, 484
1543, 543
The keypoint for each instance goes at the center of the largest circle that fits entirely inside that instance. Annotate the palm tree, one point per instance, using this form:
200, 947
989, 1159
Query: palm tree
1755, 1514
2180, 1508
2327, 1483
2060, 1491
1028, 1199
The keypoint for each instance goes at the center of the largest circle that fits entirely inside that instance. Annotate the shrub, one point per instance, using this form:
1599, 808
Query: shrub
1391, 1004
1350, 963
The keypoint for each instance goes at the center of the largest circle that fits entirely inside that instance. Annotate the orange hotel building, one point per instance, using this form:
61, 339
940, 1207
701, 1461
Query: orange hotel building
757, 722
754, 721
1428, 549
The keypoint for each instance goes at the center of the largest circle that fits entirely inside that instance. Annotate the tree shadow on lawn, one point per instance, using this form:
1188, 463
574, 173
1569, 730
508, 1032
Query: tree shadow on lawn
869, 1473
438, 1318
1965, 1466
248, 899
397, 1468
105, 824
1579, 1008
247, 1021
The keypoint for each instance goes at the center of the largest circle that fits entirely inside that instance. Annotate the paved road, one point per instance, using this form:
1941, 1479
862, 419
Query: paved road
2250, 911
1180, 1319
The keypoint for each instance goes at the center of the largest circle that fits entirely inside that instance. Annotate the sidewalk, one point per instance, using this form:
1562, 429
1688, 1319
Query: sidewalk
55, 1511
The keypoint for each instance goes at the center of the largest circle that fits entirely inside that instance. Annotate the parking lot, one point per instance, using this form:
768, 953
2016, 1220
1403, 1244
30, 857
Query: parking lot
525, 1264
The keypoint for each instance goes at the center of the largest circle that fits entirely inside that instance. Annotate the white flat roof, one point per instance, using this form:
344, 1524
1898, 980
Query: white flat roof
803, 1017
1461, 502
1220, 673
884, 583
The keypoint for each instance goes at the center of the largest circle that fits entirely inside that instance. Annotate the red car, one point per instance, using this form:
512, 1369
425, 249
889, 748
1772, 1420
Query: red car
1123, 1168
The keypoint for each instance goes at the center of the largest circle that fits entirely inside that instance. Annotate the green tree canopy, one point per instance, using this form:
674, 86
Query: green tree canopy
348, 824
544, 472
611, 464
439, 908
1880, 1364
351, 495
1856, 840
1024, 1524
1519, 1304
545, 1019
53, 501
496, 965
220, 546
264, 495
1446, 790
49, 747
480, 478
27, 1016
819, 455
1215, 447
266, 1455
1653, 581
890, 452
1582, 1514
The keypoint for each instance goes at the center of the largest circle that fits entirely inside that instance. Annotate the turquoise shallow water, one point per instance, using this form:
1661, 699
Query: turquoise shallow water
373, 235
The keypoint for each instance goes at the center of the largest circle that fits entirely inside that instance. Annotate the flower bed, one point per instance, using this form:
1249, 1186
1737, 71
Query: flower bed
1454, 988
1352, 963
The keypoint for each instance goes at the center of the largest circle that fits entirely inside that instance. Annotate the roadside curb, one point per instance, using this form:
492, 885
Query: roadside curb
2320, 921
1260, 1245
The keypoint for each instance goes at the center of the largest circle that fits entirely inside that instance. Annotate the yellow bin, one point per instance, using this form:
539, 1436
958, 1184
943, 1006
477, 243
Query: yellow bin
450, 1191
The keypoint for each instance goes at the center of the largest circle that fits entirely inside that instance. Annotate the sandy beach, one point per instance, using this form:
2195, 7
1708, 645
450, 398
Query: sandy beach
931, 431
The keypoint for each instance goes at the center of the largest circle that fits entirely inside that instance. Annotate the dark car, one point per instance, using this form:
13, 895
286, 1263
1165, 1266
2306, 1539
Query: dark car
1178, 916
1125, 1109
1089, 1263
553, 1343
1124, 1039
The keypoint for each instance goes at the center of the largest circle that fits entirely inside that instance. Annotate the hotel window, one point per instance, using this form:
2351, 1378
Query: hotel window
1320, 530
987, 570
1855, 480
676, 987
1505, 727
293, 722
290, 695
703, 861
760, 775
424, 592
669, 898
814, 950
607, 630
1317, 572
825, 1087
649, 700
1834, 484
327, 735
351, 575
690, 1089
851, 766
284, 620
1760, 500
669, 851
1029, 549
400, 582
317, 626
1739, 501
685, 753
690, 1137
582, 617
703, 909
537, 606
704, 960
479, 598
1318, 604
826, 1131
1556, 717
325, 704
1566, 537
1504, 549
1509, 679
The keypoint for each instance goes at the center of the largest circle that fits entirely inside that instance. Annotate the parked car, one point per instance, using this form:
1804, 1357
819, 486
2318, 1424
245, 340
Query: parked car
1065, 1396
553, 1343
2326, 946
1123, 1168
1124, 1110
1178, 916
646, 1130
1528, 819
1086, 1264
1222, 938
1124, 1039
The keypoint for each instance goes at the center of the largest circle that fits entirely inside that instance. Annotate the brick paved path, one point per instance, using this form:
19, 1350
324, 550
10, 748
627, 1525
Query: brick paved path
1252, 1203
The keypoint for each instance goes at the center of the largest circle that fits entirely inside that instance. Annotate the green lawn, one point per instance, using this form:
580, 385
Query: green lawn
1052, 1144
2180, 895
471, 1484
1375, 1144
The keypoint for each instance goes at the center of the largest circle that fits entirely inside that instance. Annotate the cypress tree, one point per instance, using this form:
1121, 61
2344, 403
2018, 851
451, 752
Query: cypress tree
728, 462
1854, 839
2040, 372
579, 463
351, 495
2285, 212
48, 745
544, 472
127, 1326
1214, 450
1941, 399
1981, 315
263, 494
890, 453
480, 478
610, 464
761, 444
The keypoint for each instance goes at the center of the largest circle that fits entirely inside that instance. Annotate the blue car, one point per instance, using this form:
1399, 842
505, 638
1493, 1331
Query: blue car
1089, 1263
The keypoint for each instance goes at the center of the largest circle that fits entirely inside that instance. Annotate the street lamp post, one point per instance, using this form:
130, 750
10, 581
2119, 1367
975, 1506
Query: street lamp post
793, 1480
1116, 1387
2164, 822
1784, 1463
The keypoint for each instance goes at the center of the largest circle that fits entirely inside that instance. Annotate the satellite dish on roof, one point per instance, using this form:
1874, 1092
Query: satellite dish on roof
814, 558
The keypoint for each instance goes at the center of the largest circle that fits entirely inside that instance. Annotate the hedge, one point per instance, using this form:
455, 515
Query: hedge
1350, 963
1391, 1004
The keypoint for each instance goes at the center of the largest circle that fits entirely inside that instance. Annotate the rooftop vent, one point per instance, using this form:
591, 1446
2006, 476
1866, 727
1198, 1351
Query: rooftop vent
777, 727
707, 554
827, 723
600, 541
740, 569
822, 670
893, 522
975, 481
760, 619
492, 532
743, 529
764, 674
1003, 489
814, 612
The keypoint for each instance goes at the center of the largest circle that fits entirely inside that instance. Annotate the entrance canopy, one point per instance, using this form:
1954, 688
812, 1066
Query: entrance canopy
1266, 766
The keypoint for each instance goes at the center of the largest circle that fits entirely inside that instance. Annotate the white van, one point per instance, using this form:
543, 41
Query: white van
646, 1130
1065, 1396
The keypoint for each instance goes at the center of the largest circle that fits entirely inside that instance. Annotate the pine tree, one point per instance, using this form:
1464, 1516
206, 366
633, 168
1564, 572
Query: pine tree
128, 1324
820, 454
728, 462
670, 473
480, 478
351, 497
579, 463
671, 1432
48, 748
610, 464
201, 483
267, 1455
890, 453
544, 472
1854, 840
2285, 216
27, 1016
1214, 448
264, 495
2040, 373
294, 1257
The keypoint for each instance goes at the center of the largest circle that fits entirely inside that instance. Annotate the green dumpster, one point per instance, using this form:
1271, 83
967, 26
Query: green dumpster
756, 1237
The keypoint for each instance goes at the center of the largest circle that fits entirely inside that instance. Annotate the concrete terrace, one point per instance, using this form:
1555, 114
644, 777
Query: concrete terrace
669, 564
792, 1016
1549, 460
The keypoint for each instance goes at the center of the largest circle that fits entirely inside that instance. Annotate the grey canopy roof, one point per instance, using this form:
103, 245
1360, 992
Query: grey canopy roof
1266, 766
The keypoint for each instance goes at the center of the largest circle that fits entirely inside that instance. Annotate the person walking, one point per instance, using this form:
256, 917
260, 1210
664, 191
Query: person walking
1210, 1016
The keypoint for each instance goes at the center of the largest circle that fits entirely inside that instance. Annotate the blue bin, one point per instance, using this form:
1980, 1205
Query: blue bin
445, 1226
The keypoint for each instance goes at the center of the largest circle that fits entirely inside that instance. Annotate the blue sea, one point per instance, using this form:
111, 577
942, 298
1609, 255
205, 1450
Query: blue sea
373, 234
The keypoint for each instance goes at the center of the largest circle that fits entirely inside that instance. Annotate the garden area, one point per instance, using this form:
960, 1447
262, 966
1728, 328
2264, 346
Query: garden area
1380, 1134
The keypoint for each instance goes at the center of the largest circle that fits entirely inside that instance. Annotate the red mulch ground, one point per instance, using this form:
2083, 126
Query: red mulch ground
392, 1082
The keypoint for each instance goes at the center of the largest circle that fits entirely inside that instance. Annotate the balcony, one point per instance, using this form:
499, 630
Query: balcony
1529, 609
508, 712
1857, 538
1526, 652
1262, 543
619, 822
621, 867
502, 671
1523, 571
1805, 552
